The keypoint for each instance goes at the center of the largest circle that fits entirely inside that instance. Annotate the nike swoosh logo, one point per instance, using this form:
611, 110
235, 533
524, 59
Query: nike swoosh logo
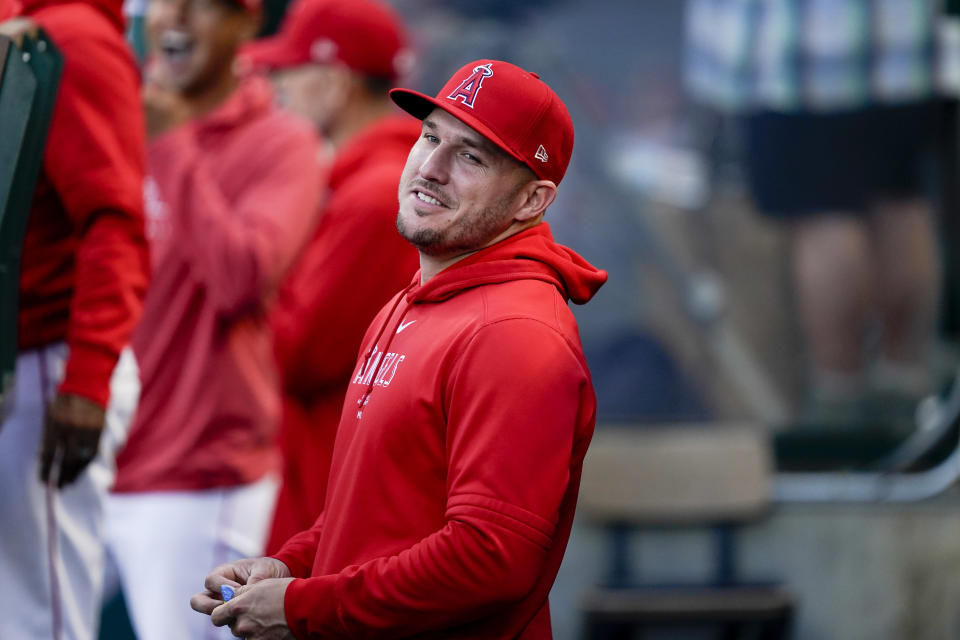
404, 325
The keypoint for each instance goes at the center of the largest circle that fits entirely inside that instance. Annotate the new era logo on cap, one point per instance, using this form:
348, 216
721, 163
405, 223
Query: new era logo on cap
509, 106
323, 50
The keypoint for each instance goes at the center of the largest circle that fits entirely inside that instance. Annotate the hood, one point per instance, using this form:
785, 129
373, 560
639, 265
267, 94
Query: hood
386, 137
9, 8
529, 255
113, 9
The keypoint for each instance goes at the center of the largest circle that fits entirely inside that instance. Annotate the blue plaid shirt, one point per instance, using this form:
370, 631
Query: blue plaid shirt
788, 55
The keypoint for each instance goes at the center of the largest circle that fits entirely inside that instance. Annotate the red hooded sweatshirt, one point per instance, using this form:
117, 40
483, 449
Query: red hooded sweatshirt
457, 460
354, 264
9, 8
231, 199
85, 265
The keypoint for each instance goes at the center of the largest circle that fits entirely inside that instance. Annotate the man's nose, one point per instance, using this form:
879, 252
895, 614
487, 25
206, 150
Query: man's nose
434, 166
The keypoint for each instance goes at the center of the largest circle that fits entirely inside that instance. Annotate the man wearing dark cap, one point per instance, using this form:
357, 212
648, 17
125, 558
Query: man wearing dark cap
231, 197
333, 62
458, 456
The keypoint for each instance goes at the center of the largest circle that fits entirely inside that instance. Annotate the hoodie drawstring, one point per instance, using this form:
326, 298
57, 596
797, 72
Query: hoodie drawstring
373, 347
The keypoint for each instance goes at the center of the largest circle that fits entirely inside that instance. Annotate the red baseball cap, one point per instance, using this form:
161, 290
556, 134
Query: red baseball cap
511, 107
365, 35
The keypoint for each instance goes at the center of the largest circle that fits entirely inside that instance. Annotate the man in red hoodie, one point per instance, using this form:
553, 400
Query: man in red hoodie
84, 273
333, 62
457, 460
231, 196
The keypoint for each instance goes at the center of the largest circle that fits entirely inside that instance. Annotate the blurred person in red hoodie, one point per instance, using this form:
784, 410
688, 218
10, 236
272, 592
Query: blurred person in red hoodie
231, 197
10, 9
84, 274
333, 62
458, 455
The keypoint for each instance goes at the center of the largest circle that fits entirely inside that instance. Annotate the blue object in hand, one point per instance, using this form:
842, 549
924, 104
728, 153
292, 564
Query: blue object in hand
227, 592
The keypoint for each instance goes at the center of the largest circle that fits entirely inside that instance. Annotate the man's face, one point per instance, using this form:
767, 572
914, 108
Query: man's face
193, 41
313, 91
458, 191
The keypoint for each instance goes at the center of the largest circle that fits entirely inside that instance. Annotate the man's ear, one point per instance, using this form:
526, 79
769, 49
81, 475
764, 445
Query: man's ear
536, 195
342, 80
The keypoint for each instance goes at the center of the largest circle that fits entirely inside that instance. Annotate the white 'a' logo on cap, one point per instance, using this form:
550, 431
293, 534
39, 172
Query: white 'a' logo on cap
470, 87
541, 154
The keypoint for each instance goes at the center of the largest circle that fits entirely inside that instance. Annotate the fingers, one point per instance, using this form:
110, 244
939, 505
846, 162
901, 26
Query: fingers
72, 427
204, 602
156, 78
47, 451
260, 570
79, 450
266, 568
18, 28
223, 614
224, 574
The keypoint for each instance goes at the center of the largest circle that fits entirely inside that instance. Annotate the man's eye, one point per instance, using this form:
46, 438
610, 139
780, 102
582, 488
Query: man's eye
472, 158
429, 137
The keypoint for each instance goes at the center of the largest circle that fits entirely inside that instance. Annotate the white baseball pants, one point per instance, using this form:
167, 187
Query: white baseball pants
51, 542
162, 544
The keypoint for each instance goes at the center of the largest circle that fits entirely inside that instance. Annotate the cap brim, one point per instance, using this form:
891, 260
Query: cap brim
420, 105
272, 53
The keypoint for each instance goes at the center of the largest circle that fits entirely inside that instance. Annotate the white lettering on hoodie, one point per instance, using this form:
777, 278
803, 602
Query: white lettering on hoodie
385, 367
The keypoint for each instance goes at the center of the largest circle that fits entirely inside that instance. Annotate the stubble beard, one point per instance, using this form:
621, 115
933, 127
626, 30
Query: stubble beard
468, 235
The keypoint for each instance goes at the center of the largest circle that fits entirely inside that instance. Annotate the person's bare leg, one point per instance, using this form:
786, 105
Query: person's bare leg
908, 260
834, 278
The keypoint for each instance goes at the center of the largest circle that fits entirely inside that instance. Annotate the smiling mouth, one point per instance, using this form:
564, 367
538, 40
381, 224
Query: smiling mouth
423, 197
176, 47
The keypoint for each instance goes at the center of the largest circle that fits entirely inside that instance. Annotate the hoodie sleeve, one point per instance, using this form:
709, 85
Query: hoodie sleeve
95, 162
300, 550
512, 402
239, 249
356, 259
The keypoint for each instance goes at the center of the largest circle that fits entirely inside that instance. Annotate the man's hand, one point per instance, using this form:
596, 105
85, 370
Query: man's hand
256, 611
72, 426
19, 28
163, 108
248, 571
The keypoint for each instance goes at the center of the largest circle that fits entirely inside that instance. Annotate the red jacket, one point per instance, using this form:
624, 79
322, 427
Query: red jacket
85, 266
354, 264
9, 8
457, 461
231, 198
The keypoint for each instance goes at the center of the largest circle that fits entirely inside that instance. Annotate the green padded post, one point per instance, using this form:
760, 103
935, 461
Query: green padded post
29, 78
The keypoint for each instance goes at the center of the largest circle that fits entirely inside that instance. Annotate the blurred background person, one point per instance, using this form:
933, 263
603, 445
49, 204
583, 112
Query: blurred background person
231, 197
84, 273
839, 119
333, 62
9, 9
